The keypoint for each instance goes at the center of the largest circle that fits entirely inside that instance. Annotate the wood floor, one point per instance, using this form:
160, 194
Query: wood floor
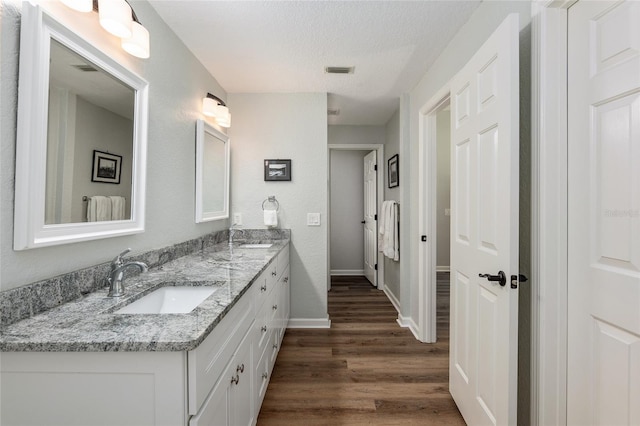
366, 369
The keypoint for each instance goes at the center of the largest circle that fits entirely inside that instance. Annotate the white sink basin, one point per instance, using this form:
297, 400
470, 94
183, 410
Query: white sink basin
265, 245
169, 300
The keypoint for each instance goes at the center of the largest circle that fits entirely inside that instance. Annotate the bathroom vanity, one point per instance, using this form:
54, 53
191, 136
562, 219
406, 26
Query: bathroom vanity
85, 364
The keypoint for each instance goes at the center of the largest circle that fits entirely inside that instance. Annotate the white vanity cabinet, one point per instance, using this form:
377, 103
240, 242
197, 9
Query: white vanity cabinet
221, 382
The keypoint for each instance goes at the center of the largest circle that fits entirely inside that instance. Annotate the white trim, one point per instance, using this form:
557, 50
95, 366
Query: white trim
347, 272
392, 298
202, 129
379, 148
407, 322
443, 268
427, 202
549, 213
309, 323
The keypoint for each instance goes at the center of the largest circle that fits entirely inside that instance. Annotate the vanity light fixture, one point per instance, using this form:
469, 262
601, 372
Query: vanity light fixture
213, 106
118, 18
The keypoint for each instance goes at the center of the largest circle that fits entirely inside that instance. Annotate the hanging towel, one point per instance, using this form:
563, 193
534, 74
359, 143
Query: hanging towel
271, 217
381, 226
388, 242
98, 209
117, 207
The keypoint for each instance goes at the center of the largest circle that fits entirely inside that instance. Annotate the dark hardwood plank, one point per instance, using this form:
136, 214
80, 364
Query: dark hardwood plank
366, 369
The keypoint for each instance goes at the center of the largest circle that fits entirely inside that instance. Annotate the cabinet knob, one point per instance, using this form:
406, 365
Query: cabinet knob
240, 368
264, 328
275, 346
273, 274
275, 307
235, 380
286, 279
263, 288
265, 376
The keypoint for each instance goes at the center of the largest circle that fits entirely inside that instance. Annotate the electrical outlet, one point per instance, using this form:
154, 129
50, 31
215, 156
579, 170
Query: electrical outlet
237, 219
313, 219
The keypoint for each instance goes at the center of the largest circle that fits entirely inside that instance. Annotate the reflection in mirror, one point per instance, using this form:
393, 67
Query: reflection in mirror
89, 111
212, 173
81, 133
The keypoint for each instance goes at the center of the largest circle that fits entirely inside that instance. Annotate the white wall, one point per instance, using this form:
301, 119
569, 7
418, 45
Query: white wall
286, 126
347, 212
391, 148
356, 135
177, 84
443, 154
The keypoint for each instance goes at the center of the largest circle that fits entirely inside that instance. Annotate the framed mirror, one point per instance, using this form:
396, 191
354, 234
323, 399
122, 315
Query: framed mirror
81, 139
212, 173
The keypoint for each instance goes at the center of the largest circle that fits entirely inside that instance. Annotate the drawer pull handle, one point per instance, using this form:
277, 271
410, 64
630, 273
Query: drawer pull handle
286, 279
275, 307
263, 288
264, 328
265, 376
273, 274
275, 346
235, 380
240, 368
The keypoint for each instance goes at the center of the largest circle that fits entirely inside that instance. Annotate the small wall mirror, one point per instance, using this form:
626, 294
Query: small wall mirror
81, 139
212, 173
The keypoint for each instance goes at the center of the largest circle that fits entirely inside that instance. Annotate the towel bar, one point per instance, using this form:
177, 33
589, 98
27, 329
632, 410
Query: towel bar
271, 199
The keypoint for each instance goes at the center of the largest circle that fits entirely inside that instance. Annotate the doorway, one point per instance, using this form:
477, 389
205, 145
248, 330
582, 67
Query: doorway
346, 249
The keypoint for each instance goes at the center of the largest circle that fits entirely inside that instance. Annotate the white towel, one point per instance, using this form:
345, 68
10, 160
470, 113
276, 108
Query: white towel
388, 242
117, 207
98, 209
271, 217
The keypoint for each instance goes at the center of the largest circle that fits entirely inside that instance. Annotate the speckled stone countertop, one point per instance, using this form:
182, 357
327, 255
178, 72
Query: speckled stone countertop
88, 324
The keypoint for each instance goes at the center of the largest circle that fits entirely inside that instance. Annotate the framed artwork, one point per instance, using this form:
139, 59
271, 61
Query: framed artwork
393, 172
277, 170
106, 167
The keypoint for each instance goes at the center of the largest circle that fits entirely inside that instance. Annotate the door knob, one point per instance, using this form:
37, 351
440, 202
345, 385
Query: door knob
501, 278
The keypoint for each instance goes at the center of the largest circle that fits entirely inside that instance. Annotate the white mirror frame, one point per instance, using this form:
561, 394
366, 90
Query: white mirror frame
30, 231
202, 129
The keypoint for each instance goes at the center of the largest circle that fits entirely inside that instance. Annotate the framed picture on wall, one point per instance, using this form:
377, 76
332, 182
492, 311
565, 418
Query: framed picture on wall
393, 172
277, 170
106, 167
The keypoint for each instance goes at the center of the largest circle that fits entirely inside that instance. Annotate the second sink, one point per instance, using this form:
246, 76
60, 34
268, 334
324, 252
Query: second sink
169, 300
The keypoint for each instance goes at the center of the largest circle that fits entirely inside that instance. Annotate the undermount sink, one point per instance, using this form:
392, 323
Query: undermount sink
169, 300
256, 246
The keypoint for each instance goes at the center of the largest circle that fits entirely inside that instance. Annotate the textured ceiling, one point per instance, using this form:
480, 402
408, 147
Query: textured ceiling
284, 46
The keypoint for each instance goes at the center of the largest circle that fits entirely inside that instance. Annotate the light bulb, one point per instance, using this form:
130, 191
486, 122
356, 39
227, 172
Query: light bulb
138, 43
115, 17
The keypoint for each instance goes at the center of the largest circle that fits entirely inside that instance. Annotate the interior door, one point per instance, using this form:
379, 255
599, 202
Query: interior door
484, 230
603, 372
370, 218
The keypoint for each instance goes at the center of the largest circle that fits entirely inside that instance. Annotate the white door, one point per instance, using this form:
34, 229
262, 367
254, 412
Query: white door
484, 230
603, 371
370, 218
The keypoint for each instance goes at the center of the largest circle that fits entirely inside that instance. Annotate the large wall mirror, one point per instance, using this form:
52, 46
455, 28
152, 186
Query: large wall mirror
212, 173
81, 139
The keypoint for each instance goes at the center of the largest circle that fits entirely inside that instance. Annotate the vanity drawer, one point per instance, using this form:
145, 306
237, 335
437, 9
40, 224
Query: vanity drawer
207, 361
264, 325
262, 376
265, 285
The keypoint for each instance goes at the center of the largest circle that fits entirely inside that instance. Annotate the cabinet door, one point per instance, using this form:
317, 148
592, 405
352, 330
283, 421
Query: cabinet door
284, 303
215, 410
241, 399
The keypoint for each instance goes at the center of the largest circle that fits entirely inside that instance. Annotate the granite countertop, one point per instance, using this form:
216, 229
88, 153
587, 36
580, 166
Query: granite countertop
88, 324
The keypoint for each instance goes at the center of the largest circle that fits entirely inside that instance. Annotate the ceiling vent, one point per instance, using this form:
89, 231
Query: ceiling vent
85, 68
333, 112
339, 70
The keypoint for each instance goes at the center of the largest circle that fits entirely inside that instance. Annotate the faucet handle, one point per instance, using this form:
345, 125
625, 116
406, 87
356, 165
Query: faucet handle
117, 261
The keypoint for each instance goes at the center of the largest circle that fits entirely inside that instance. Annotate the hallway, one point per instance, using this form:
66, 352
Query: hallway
366, 369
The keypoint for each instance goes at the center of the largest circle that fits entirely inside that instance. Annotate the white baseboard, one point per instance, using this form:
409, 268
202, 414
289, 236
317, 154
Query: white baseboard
392, 298
443, 269
407, 322
309, 323
350, 272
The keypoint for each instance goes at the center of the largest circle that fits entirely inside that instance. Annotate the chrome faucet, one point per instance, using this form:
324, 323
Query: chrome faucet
116, 275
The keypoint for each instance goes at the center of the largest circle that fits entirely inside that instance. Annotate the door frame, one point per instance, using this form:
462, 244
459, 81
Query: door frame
549, 233
379, 148
427, 213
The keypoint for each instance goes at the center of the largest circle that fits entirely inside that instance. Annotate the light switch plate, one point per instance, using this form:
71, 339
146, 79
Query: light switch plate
313, 219
237, 219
